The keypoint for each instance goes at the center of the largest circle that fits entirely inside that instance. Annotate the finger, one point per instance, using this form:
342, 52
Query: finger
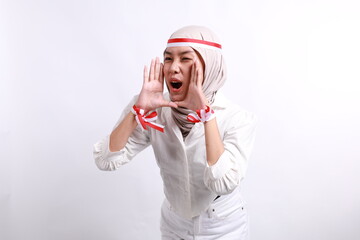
199, 75
157, 68
161, 78
172, 104
152, 70
169, 104
193, 76
181, 104
146, 74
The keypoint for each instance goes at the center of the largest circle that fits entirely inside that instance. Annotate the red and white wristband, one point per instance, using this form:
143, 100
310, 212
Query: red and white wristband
146, 119
202, 115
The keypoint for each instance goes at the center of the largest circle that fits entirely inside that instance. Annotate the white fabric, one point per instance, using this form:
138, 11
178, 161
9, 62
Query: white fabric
194, 45
190, 185
226, 219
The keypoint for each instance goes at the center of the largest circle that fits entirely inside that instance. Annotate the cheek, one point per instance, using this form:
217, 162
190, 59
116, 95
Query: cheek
187, 72
166, 70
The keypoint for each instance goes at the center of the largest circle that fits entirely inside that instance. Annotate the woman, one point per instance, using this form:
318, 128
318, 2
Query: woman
201, 140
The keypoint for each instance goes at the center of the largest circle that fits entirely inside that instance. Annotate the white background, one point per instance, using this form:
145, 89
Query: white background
67, 68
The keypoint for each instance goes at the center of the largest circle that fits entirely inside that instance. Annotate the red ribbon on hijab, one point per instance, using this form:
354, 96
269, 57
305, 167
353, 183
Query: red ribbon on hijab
146, 119
192, 40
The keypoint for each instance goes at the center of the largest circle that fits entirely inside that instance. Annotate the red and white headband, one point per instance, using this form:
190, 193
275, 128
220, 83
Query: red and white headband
176, 42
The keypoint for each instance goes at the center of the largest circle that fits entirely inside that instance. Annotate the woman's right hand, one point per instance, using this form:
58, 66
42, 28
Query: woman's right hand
151, 95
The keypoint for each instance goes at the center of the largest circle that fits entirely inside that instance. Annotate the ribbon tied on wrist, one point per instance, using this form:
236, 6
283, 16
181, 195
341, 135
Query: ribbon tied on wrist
146, 119
202, 115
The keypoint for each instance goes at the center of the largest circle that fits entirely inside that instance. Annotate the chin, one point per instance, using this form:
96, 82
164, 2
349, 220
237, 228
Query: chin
176, 97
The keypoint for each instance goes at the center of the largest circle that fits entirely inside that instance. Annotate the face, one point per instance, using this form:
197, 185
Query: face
178, 62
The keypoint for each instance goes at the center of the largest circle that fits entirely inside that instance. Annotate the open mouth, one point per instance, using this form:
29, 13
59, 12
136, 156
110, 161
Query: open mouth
176, 84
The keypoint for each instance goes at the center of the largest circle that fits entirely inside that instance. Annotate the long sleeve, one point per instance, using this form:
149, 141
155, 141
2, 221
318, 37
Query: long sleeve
225, 175
109, 161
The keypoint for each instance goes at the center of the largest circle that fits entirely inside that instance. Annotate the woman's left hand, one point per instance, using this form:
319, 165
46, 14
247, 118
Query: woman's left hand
195, 98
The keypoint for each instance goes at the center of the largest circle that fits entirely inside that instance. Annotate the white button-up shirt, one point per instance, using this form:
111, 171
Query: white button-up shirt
190, 184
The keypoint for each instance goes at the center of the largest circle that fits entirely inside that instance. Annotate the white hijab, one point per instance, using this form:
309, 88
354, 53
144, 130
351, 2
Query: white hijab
214, 74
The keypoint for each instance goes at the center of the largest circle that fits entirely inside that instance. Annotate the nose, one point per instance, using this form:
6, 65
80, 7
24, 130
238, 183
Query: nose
175, 67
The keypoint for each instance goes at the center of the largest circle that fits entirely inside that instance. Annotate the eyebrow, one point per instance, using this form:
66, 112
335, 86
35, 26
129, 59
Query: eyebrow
182, 53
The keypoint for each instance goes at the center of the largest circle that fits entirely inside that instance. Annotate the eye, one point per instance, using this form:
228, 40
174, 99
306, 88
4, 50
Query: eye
186, 59
167, 59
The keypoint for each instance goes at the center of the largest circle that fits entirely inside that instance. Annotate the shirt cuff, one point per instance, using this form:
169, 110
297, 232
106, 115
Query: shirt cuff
221, 167
104, 158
